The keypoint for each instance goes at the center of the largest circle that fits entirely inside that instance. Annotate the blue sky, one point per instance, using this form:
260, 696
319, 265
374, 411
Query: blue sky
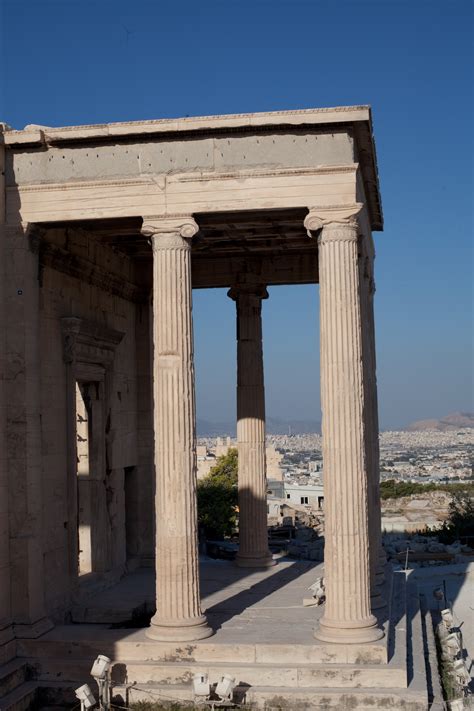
71, 62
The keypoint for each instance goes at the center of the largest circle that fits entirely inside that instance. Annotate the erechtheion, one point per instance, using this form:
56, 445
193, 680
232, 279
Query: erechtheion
105, 231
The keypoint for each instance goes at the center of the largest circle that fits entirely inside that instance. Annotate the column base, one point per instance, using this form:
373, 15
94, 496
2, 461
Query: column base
33, 630
249, 561
7, 643
343, 633
179, 630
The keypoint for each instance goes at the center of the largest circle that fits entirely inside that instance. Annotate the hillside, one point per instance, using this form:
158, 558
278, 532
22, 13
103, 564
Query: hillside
455, 421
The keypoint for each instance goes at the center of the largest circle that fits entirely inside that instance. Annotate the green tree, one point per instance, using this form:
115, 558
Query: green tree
217, 497
461, 515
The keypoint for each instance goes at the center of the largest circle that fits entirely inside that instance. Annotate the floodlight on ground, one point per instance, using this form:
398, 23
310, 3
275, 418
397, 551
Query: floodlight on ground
453, 642
101, 667
461, 671
201, 686
447, 617
85, 696
457, 705
225, 687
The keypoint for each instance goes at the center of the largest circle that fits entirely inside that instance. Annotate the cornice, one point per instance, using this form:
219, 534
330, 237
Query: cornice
88, 341
78, 185
43, 134
202, 176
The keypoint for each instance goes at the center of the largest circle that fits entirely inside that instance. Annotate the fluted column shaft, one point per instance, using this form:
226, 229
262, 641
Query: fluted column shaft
178, 616
371, 429
253, 532
347, 616
376, 542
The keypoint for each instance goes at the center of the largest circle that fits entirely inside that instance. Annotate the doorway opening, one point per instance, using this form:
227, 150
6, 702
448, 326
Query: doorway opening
83, 451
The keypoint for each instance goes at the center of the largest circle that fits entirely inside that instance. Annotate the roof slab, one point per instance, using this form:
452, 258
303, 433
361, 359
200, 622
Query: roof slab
146, 157
271, 244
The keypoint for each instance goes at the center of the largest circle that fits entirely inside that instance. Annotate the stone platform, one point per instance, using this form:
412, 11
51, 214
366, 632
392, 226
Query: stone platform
263, 637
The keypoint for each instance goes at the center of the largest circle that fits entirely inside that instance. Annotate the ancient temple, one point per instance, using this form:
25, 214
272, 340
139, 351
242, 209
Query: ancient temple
105, 232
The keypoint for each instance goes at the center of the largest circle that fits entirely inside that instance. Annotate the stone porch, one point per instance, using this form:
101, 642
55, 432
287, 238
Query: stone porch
263, 637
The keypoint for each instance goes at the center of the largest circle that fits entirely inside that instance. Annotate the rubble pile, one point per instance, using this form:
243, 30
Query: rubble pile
425, 550
308, 543
416, 512
318, 594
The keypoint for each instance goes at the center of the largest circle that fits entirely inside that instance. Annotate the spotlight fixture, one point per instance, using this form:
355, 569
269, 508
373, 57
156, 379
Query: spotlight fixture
100, 667
201, 686
452, 642
225, 687
461, 671
85, 696
447, 617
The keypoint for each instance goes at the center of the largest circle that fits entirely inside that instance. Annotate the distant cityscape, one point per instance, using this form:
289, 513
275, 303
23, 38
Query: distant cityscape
295, 478
427, 456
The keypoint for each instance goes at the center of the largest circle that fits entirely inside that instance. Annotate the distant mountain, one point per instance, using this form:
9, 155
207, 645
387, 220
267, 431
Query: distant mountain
455, 421
205, 428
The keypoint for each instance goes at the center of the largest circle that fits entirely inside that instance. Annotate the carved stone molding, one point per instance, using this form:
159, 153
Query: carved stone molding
339, 232
66, 262
317, 218
88, 342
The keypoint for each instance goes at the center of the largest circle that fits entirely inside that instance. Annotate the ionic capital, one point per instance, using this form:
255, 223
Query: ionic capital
317, 218
248, 286
169, 231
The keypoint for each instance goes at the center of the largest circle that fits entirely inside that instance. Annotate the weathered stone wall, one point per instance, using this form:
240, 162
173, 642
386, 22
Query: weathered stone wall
62, 295
139, 483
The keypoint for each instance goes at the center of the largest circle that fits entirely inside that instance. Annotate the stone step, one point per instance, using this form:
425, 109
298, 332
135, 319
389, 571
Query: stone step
274, 698
171, 673
20, 699
70, 642
362, 699
87, 613
12, 674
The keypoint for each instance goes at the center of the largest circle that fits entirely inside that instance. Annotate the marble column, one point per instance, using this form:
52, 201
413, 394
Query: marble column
371, 428
253, 531
376, 543
347, 616
178, 617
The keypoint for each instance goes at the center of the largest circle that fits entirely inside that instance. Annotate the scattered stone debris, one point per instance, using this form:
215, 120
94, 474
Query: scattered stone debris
424, 551
318, 590
307, 543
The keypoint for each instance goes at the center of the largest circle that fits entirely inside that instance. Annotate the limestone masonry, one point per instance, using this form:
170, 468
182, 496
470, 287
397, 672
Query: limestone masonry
104, 232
